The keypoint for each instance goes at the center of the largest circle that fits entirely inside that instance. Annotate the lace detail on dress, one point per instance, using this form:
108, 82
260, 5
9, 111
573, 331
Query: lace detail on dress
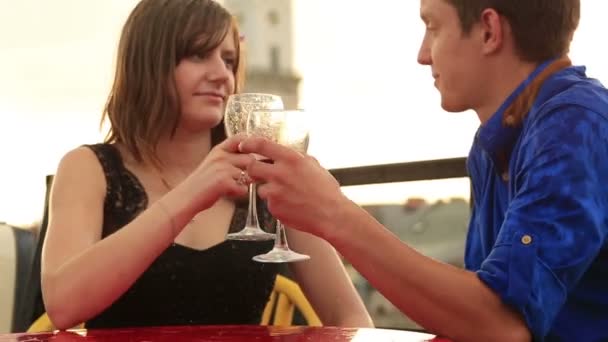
125, 196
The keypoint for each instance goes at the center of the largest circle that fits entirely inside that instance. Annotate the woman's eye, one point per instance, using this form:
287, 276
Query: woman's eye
230, 63
198, 56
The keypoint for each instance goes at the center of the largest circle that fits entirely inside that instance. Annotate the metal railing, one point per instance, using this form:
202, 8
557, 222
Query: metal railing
401, 172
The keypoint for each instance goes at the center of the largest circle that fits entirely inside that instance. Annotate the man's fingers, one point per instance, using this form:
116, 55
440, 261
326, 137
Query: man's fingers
242, 161
267, 149
260, 171
264, 191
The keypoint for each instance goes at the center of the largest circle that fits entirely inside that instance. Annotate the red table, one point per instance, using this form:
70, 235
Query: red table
225, 334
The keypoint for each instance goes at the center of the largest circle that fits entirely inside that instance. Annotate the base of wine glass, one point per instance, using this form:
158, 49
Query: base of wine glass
250, 234
279, 255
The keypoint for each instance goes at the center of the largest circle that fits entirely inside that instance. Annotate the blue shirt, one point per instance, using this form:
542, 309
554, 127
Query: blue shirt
538, 234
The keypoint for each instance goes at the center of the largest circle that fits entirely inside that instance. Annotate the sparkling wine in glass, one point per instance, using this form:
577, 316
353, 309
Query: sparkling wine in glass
237, 112
289, 128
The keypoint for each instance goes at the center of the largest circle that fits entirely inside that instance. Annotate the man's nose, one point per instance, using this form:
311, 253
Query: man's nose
424, 54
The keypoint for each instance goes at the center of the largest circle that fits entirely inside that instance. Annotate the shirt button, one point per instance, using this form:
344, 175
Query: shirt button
526, 239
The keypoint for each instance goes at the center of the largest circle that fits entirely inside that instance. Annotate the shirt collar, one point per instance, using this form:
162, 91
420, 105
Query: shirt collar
498, 139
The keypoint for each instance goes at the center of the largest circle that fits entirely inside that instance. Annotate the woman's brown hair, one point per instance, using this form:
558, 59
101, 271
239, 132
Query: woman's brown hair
158, 34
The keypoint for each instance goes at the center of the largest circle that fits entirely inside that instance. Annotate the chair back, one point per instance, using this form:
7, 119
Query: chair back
30, 305
284, 299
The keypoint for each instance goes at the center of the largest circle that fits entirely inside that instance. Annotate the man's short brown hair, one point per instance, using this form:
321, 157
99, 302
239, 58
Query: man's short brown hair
542, 29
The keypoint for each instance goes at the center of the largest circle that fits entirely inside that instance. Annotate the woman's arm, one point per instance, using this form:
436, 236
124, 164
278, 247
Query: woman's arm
76, 263
326, 283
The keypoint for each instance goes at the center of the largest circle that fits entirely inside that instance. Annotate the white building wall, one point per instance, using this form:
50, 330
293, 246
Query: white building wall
266, 25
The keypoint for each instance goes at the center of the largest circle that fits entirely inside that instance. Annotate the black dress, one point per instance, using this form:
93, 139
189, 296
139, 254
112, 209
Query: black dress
183, 286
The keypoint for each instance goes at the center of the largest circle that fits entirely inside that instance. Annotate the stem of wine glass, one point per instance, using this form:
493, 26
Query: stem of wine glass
280, 240
252, 212
280, 252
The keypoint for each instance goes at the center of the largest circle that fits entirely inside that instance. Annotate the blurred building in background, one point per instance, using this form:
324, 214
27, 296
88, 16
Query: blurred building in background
267, 27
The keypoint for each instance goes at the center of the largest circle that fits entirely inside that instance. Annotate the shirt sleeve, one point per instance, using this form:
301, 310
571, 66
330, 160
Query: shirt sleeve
555, 224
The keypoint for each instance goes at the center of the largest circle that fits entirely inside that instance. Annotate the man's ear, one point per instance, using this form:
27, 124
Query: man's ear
493, 28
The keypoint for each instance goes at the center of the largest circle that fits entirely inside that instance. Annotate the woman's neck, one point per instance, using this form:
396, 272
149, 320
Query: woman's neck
181, 154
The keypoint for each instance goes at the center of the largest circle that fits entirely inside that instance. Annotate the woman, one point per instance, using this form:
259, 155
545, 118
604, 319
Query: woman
138, 224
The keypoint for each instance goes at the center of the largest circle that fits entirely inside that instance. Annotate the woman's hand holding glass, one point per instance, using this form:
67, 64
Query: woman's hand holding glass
217, 176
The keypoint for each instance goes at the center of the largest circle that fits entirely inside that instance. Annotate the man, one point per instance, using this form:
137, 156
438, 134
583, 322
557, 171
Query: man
537, 242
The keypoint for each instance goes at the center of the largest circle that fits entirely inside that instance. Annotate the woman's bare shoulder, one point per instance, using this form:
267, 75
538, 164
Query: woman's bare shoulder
81, 166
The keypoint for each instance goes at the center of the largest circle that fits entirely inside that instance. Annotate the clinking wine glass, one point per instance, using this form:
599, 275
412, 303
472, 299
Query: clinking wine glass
238, 108
289, 128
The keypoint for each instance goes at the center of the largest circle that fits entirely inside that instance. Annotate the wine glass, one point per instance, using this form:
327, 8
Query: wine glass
237, 112
289, 128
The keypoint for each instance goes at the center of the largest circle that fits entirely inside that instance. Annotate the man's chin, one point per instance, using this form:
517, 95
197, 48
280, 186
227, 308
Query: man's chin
453, 106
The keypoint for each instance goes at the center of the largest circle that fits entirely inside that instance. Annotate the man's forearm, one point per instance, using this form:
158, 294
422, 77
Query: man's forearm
442, 298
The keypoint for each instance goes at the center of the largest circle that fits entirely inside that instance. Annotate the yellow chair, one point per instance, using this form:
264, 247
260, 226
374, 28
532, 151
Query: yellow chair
43, 324
284, 299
